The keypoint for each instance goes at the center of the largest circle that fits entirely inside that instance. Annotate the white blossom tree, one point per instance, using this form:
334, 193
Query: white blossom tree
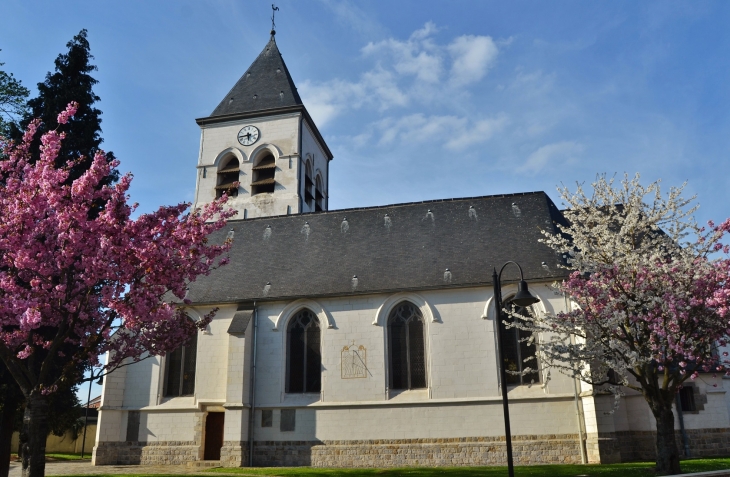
652, 295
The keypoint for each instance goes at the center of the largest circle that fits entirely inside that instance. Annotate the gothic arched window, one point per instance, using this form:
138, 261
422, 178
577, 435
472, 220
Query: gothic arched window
520, 352
304, 355
406, 347
227, 176
263, 175
180, 369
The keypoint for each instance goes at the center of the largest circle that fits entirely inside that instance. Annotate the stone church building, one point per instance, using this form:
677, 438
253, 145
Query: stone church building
362, 337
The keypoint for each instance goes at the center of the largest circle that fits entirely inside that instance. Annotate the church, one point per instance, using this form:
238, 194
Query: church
363, 337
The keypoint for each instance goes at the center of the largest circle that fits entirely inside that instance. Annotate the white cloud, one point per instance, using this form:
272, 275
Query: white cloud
405, 72
453, 132
555, 153
472, 56
418, 56
481, 131
377, 88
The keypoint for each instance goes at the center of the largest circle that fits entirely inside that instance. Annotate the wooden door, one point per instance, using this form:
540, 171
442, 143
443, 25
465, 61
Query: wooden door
213, 435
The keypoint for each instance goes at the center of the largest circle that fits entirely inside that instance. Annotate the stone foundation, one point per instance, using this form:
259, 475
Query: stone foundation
146, 453
469, 451
547, 449
702, 443
640, 445
234, 454
602, 449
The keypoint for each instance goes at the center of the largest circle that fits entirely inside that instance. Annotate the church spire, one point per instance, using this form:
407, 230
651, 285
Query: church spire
266, 85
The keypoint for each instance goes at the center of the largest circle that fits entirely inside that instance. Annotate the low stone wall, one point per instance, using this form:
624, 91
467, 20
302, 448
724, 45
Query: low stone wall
702, 443
234, 454
640, 445
146, 453
546, 449
470, 451
602, 449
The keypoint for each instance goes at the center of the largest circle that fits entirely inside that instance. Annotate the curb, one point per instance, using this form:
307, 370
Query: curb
712, 473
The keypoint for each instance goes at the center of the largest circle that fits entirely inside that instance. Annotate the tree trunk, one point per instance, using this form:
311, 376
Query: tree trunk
33, 435
667, 455
6, 434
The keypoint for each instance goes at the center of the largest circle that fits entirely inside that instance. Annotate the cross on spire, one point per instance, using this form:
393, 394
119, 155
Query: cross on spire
273, 25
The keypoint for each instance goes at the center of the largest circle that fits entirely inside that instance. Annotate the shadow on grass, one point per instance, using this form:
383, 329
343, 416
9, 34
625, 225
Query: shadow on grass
631, 469
66, 456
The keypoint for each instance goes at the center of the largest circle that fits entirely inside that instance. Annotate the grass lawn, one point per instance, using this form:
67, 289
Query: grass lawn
636, 469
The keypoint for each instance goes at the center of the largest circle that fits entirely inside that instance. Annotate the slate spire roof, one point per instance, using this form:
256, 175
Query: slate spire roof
266, 85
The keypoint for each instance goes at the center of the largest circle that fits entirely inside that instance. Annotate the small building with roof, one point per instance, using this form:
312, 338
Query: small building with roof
360, 337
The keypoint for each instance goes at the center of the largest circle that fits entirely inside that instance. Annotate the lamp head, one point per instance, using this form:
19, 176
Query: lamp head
523, 296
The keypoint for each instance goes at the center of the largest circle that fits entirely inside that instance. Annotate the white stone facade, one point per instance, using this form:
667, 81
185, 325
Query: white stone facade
288, 137
461, 403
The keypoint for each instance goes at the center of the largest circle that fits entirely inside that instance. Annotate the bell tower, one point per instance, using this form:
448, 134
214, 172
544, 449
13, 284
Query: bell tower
261, 147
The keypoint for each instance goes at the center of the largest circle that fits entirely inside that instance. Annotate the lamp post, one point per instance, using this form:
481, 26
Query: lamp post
522, 298
86, 418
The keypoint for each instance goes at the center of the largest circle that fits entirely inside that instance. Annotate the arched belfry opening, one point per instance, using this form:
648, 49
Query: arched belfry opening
264, 172
308, 185
319, 204
228, 177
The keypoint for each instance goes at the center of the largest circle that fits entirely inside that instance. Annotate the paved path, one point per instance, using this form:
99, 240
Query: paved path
81, 468
76, 467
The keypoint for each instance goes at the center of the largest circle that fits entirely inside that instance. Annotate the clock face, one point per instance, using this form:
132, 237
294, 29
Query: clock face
248, 135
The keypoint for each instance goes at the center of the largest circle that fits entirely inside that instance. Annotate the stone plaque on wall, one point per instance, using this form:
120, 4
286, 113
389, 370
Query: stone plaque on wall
354, 362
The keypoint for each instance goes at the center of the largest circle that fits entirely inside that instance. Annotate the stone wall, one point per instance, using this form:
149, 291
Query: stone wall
702, 443
626, 446
146, 453
544, 449
234, 454
602, 450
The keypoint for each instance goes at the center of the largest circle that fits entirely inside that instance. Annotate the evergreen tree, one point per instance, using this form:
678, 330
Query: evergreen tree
12, 101
70, 82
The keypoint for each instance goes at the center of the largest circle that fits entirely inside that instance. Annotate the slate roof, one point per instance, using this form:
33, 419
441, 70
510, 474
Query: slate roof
266, 85
389, 248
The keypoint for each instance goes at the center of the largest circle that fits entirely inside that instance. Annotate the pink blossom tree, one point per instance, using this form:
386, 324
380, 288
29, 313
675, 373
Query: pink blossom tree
652, 297
79, 277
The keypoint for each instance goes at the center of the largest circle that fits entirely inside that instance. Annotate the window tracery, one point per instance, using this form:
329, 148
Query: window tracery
304, 355
180, 369
520, 348
406, 347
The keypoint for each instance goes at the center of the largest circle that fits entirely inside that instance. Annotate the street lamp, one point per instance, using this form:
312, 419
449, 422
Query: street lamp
522, 298
86, 418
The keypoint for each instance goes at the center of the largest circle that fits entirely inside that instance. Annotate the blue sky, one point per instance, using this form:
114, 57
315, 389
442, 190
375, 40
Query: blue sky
419, 99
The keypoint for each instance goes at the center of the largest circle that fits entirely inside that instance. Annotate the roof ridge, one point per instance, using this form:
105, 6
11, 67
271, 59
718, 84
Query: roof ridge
401, 204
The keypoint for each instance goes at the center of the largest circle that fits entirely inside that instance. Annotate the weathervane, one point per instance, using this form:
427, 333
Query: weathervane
273, 25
